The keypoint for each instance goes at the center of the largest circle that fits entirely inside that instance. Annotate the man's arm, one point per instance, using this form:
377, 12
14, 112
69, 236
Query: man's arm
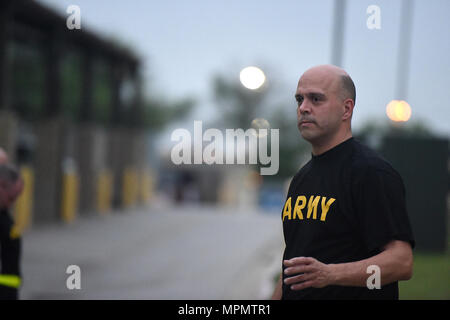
277, 292
395, 263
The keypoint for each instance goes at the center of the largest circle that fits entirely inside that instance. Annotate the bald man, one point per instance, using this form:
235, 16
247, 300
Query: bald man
345, 223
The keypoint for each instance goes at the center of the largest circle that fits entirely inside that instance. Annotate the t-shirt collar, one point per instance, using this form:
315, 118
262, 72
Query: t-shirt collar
336, 150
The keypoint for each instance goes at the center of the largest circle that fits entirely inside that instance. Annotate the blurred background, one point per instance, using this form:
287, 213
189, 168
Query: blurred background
87, 114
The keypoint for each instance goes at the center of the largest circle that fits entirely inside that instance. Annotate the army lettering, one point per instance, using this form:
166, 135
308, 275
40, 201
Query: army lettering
304, 208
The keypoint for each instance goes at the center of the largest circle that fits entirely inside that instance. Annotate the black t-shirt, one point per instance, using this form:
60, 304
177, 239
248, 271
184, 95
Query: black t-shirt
344, 205
10, 251
9, 247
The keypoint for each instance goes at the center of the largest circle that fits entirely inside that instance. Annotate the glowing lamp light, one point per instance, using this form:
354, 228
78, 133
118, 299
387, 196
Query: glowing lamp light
260, 123
398, 111
252, 78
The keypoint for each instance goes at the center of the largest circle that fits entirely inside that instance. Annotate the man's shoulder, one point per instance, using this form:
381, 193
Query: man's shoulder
365, 161
299, 175
304, 169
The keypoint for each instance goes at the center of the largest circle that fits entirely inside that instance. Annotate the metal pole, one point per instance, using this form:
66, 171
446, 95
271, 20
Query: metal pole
404, 46
338, 32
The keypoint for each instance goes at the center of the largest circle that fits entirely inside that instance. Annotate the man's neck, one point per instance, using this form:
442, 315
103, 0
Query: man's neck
321, 147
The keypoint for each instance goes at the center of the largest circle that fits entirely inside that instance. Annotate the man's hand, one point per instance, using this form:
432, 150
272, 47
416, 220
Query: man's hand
307, 272
395, 262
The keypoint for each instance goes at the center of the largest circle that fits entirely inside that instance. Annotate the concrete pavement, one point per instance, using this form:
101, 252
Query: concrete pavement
156, 253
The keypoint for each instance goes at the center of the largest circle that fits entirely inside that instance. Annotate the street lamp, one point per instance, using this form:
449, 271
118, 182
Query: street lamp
398, 111
252, 77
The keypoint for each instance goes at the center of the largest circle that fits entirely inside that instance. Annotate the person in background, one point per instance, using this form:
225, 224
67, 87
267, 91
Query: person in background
3, 156
11, 185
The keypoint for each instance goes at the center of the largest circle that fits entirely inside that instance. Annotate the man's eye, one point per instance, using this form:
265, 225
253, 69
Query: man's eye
299, 100
315, 99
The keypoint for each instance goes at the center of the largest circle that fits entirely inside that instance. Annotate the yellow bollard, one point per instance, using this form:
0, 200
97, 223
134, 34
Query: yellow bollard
146, 184
126, 186
69, 203
130, 187
24, 205
104, 191
134, 187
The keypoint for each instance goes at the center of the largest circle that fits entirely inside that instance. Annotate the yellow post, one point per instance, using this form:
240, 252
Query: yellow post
104, 191
130, 187
146, 186
69, 203
24, 205
126, 187
134, 186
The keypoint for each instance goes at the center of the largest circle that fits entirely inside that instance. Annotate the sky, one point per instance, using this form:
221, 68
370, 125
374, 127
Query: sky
183, 44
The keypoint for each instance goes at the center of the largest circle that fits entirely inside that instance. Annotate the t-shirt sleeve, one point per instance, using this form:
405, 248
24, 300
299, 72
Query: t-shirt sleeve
380, 207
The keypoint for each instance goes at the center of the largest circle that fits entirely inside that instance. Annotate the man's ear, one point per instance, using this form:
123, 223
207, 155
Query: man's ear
349, 104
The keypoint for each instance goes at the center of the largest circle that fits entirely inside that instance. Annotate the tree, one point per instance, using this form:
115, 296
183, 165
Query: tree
292, 146
159, 112
239, 106
373, 131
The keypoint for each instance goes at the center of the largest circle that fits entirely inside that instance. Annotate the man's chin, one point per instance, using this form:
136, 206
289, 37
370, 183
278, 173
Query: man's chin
307, 134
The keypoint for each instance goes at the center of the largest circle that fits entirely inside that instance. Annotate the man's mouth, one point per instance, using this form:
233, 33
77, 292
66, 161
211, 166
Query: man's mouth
305, 122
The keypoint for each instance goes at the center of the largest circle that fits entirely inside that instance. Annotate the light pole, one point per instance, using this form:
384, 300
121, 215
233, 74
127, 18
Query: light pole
399, 111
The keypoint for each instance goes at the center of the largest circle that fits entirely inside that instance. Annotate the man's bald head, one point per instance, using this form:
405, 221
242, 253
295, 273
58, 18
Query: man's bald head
325, 100
336, 78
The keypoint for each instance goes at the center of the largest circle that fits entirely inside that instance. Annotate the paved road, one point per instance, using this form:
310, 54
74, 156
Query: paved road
164, 253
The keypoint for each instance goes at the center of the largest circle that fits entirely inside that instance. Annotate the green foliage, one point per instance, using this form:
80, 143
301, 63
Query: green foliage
237, 108
237, 105
431, 278
292, 145
158, 112
376, 128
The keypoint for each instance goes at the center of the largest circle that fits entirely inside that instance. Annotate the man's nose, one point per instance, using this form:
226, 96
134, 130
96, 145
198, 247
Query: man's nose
304, 107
